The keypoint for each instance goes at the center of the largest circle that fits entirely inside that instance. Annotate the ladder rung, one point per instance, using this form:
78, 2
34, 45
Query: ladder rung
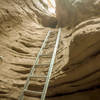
50, 41
46, 56
46, 47
30, 92
52, 36
49, 46
42, 65
52, 33
38, 76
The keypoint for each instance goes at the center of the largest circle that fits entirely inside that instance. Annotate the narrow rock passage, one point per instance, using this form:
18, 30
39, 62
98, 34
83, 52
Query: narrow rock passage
23, 27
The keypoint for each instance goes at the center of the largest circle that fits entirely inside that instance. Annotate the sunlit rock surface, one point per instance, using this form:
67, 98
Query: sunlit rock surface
76, 73
72, 12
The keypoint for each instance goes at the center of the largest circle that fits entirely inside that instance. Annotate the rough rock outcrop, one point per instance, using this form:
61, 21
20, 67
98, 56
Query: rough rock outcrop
76, 73
80, 69
72, 12
21, 36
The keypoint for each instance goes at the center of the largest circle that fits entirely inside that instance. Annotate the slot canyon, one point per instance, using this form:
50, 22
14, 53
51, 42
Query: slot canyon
23, 28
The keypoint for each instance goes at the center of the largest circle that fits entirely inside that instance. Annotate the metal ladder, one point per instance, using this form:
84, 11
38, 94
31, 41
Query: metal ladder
31, 74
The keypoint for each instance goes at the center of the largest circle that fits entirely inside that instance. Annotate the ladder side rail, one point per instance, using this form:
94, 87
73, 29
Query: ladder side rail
51, 66
33, 68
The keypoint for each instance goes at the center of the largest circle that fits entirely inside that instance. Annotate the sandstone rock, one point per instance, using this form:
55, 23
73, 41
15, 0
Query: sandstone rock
71, 13
76, 73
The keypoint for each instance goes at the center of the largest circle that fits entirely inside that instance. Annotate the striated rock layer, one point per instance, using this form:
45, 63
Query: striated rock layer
76, 73
79, 73
72, 12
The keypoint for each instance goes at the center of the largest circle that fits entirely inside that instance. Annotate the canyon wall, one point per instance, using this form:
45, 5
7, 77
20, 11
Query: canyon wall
23, 27
21, 36
72, 12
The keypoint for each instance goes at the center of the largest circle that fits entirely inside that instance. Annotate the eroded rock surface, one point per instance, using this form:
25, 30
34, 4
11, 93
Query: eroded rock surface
21, 36
81, 71
72, 12
76, 73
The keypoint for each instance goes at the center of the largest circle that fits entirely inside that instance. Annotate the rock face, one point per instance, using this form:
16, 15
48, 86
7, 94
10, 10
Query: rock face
71, 12
79, 76
76, 73
21, 36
